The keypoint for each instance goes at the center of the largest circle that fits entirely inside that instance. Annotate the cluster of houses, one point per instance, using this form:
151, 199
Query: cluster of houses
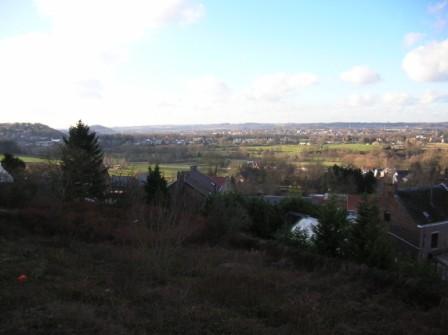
167, 140
417, 218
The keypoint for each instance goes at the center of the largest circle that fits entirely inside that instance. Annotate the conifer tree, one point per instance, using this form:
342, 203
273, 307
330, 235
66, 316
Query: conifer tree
156, 186
331, 233
368, 239
83, 172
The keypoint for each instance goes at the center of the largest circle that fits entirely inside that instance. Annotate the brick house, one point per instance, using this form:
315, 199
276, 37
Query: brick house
418, 220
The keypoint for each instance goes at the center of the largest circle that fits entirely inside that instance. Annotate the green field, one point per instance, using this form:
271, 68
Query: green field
352, 147
443, 146
294, 148
309, 155
168, 170
281, 149
31, 159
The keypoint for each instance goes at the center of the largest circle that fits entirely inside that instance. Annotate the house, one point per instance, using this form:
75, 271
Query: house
5, 176
193, 187
120, 186
418, 220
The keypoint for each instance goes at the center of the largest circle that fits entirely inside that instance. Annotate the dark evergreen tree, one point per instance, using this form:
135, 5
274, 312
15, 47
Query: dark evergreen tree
14, 165
265, 218
350, 180
331, 233
226, 216
156, 187
368, 239
368, 183
83, 172
23, 189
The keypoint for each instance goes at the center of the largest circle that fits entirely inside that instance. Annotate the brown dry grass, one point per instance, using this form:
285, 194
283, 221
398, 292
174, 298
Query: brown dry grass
155, 281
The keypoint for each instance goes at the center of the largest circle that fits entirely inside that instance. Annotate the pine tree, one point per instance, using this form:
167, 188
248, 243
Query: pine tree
83, 172
156, 187
368, 239
331, 233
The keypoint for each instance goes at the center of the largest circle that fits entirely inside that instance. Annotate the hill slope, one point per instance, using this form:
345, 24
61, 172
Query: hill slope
102, 130
107, 287
27, 132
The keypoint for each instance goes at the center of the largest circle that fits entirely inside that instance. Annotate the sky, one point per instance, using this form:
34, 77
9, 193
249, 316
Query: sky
151, 62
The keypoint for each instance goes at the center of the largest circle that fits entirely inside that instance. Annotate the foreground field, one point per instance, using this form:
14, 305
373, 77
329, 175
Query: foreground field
74, 286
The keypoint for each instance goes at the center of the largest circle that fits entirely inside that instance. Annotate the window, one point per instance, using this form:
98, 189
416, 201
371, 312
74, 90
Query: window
434, 240
387, 216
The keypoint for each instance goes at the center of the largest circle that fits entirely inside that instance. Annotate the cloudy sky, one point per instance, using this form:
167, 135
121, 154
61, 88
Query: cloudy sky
138, 62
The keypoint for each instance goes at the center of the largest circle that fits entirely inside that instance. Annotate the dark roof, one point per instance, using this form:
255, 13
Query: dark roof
200, 182
402, 173
122, 181
425, 206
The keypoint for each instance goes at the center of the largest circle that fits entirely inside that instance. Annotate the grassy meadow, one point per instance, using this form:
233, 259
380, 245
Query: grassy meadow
31, 159
299, 155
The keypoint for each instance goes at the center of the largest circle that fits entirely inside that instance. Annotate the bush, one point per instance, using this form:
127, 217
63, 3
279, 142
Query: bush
225, 216
266, 219
332, 231
294, 239
17, 194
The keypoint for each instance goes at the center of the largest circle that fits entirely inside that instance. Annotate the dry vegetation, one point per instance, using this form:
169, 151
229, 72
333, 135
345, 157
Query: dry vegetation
104, 271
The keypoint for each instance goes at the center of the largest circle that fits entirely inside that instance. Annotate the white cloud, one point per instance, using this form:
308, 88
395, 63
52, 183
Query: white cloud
360, 75
73, 68
112, 22
398, 99
362, 100
280, 85
207, 90
428, 63
387, 99
410, 39
431, 97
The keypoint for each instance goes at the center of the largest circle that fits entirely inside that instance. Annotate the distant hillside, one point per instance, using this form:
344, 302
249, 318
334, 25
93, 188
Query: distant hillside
101, 130
27, 132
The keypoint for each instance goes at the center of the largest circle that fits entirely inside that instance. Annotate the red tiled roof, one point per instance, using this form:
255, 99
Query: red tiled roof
219, 181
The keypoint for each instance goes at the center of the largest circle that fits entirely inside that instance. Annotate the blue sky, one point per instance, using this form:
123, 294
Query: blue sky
135, 62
